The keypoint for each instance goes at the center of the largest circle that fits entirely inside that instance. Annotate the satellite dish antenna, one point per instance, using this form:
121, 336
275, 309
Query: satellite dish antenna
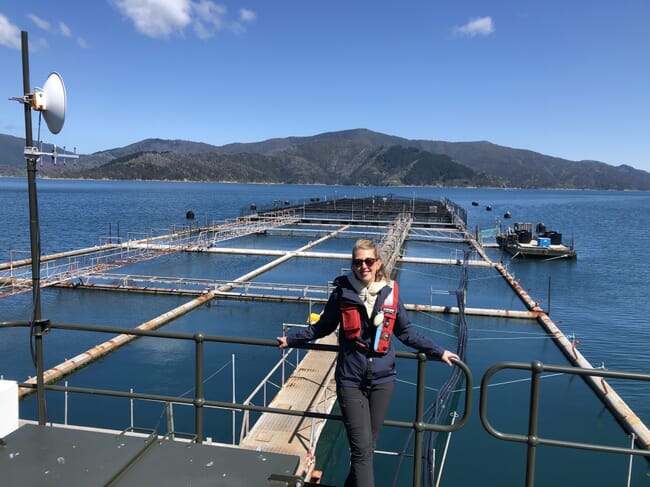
50, 101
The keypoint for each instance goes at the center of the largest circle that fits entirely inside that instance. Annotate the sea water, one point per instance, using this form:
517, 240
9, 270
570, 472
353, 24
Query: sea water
600, 299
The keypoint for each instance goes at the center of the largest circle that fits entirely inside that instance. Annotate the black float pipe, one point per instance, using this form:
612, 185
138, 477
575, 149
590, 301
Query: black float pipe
37, 329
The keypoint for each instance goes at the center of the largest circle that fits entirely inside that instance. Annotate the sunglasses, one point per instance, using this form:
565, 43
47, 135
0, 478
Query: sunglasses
369, 261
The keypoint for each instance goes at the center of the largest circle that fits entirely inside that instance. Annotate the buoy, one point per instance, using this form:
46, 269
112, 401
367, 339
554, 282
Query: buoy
189, 215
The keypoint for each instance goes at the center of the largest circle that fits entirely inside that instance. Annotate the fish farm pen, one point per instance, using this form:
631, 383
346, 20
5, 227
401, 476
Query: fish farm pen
163, 347
379, 208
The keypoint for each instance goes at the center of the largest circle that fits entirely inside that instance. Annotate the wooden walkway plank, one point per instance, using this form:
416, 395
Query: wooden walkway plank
311, 387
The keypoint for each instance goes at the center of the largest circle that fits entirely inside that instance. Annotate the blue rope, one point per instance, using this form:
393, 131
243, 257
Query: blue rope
436, 410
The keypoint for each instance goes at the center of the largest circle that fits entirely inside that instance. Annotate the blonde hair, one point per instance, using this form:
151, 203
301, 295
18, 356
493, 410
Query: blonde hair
369, 244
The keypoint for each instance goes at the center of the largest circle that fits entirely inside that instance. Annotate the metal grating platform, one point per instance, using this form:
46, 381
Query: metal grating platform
56, 456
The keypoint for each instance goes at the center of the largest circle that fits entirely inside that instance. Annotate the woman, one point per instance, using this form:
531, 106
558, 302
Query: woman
365, 368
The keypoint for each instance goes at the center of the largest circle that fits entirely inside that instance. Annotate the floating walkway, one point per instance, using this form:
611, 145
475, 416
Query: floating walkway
605, 392
310, 387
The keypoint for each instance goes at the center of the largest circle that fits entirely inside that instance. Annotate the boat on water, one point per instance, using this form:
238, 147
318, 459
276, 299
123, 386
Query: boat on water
520, 241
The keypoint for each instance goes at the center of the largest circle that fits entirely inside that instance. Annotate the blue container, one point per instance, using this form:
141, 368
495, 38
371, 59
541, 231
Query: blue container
544, 242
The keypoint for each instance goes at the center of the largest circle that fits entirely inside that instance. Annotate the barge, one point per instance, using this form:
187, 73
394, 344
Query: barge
520, 241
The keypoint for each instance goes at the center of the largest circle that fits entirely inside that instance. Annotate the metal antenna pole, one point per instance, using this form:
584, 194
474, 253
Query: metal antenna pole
36, 328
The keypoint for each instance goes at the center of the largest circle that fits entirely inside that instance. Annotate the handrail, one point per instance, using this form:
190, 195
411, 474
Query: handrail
532, 439
418, 424
199, 401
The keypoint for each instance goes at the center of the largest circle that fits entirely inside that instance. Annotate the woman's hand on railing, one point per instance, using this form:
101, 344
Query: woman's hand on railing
447, 356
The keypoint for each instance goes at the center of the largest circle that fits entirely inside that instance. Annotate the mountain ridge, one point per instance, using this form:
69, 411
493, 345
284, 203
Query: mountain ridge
353, 156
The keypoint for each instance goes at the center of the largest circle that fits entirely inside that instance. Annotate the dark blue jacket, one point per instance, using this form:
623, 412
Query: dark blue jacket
353, 362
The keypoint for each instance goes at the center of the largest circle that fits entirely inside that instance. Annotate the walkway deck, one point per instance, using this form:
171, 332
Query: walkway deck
311, 387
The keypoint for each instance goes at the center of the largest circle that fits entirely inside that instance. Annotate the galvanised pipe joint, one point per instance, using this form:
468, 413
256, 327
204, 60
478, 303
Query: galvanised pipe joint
537, 367
419, 426
40, 327
533, 440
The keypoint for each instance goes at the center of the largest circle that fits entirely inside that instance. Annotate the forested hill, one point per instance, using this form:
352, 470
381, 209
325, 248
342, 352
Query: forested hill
346, 157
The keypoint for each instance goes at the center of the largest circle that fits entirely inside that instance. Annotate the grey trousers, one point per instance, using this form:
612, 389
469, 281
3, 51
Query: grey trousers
363, 412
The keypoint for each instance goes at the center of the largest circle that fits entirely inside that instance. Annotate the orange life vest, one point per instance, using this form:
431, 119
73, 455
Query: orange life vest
351, 319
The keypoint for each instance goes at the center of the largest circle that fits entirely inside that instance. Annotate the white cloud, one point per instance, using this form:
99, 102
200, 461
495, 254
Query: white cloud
162, 18
81, 42
202, 31
482, 26
157, 18
9, 33
209, 18
64, 30
38, 44
246, 15
40, 23
210, 12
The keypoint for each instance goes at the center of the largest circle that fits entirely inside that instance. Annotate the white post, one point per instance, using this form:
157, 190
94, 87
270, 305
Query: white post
284, 352
8, 407
312, 433
131, 401
65, 404
170, 420
629, 469
233, 398
454, 415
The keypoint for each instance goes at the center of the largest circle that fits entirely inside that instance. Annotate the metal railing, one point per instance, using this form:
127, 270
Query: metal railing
392, 242
531, 438
245, 226
418, 425
199, 401
198, 285
263, 387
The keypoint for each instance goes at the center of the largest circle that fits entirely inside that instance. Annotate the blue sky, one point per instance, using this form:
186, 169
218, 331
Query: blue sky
568, 78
